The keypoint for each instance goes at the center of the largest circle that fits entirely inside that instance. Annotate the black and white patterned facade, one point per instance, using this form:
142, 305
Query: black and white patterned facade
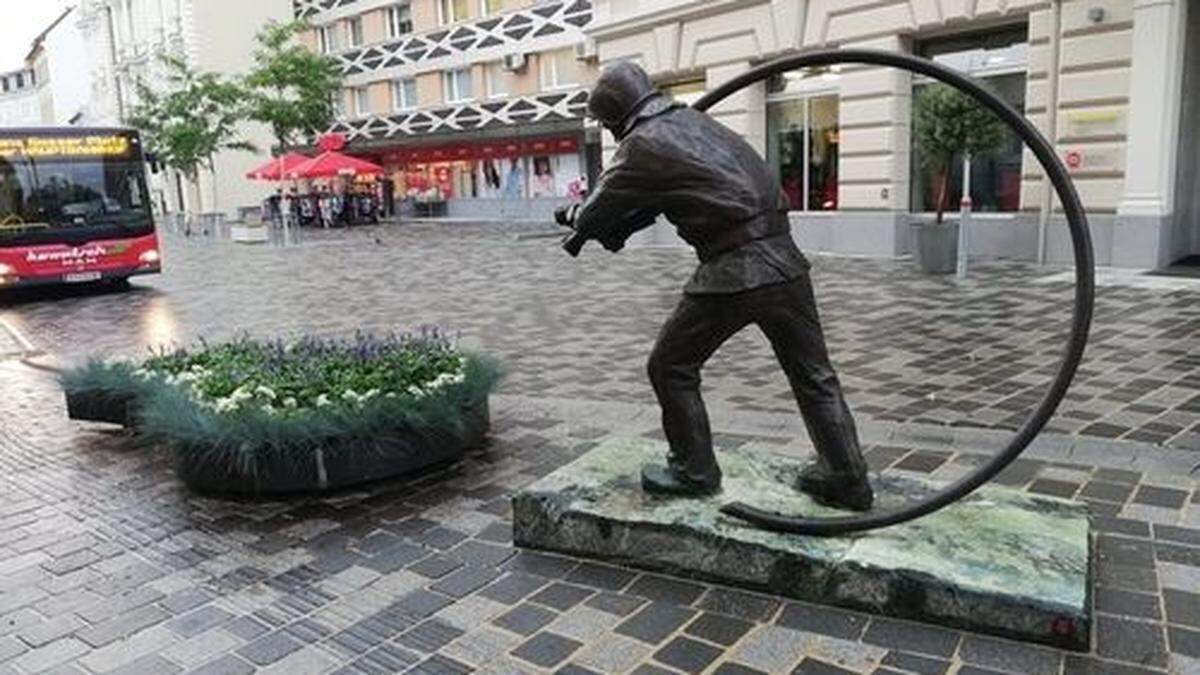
305, 9
516, 30
468, 116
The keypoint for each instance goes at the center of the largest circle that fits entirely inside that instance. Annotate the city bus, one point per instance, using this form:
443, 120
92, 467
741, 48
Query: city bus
74, 207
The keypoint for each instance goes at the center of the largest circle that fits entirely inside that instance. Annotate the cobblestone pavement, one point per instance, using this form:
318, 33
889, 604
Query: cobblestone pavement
908, 347
108, 564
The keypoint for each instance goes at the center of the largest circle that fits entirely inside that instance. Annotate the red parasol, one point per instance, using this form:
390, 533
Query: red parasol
271, 170
332, 163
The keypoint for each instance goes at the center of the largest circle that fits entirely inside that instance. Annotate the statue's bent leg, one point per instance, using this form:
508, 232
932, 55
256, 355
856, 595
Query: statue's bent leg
694, 331
787, 314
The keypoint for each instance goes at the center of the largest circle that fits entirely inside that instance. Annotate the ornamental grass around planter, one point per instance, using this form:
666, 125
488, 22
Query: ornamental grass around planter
273, 417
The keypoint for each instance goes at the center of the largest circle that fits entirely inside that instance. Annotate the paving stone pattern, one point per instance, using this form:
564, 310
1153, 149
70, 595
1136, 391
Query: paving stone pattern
107, 564
907, 346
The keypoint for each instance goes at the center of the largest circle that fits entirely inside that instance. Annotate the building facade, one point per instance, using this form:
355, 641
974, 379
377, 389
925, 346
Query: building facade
19, 102
59, 62
474, 104
1114, 83
125, 42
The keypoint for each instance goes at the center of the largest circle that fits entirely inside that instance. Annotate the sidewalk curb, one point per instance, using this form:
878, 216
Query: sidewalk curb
23, 345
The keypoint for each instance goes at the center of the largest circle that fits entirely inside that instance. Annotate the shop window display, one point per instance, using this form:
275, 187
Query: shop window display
999, 58
802, 148
511, 170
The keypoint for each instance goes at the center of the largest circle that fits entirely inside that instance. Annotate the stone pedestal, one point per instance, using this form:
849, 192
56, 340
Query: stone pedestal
1000, 561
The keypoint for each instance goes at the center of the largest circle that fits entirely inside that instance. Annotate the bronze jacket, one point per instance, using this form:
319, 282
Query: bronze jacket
711, 185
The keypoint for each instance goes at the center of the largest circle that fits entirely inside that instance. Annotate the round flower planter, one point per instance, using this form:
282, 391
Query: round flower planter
100, 405
334, 463
268, 417
327, 464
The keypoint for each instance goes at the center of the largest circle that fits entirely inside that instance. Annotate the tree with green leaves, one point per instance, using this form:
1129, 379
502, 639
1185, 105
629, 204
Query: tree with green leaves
948, 122
291, 88
194, 117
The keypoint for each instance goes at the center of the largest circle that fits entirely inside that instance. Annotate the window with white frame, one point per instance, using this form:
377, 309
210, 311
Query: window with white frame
362, 101
404, 94
399, 20
489, 7
456, 84
339, 103
329, 38
354, 31
560, 70
453, 11
496, 79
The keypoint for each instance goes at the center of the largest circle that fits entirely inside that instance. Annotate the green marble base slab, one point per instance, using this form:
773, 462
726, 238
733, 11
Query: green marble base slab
1001, 561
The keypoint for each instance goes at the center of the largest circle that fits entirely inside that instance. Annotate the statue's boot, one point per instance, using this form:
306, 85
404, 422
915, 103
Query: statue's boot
671, 482
839, 490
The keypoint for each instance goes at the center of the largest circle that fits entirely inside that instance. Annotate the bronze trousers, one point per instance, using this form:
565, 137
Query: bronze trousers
787, 315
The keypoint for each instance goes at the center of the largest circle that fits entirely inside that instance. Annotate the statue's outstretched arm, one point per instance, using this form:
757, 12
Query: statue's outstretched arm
622, 202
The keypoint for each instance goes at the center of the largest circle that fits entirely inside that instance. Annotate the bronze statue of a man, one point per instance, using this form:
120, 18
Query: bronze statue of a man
725, 202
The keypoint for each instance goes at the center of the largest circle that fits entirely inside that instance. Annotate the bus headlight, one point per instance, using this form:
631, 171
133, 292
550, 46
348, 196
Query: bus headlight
6, 270
149, 257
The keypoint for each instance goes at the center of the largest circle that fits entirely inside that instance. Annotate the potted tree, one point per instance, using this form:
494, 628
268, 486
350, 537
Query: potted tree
947, 123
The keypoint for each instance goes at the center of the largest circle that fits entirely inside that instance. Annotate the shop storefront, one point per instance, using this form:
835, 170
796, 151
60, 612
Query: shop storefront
520, 178
1111, 83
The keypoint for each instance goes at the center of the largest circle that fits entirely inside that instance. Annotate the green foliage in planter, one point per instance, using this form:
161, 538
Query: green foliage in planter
108, 380
239, 401
947, 122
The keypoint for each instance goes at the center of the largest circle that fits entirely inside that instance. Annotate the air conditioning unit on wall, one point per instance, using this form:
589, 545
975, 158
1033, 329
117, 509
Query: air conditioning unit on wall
514, 62
586, 50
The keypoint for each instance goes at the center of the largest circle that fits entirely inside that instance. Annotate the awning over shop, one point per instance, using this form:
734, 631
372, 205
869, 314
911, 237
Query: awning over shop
277, 167
332, 163
486, 150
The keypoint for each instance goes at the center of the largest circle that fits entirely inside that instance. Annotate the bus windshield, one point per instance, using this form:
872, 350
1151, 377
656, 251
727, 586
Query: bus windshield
44, 199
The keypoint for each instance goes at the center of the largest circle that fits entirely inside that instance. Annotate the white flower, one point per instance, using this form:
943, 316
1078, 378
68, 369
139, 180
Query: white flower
414, 390
264, 391
350, 395
322, 401
290, 402
370, 394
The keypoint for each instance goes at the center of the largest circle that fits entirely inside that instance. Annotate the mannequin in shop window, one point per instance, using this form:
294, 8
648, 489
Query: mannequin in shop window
514, 183
543, 178
791, 150
491, 178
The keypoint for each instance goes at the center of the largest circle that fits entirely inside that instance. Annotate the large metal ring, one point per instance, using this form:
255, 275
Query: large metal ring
1081, 243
